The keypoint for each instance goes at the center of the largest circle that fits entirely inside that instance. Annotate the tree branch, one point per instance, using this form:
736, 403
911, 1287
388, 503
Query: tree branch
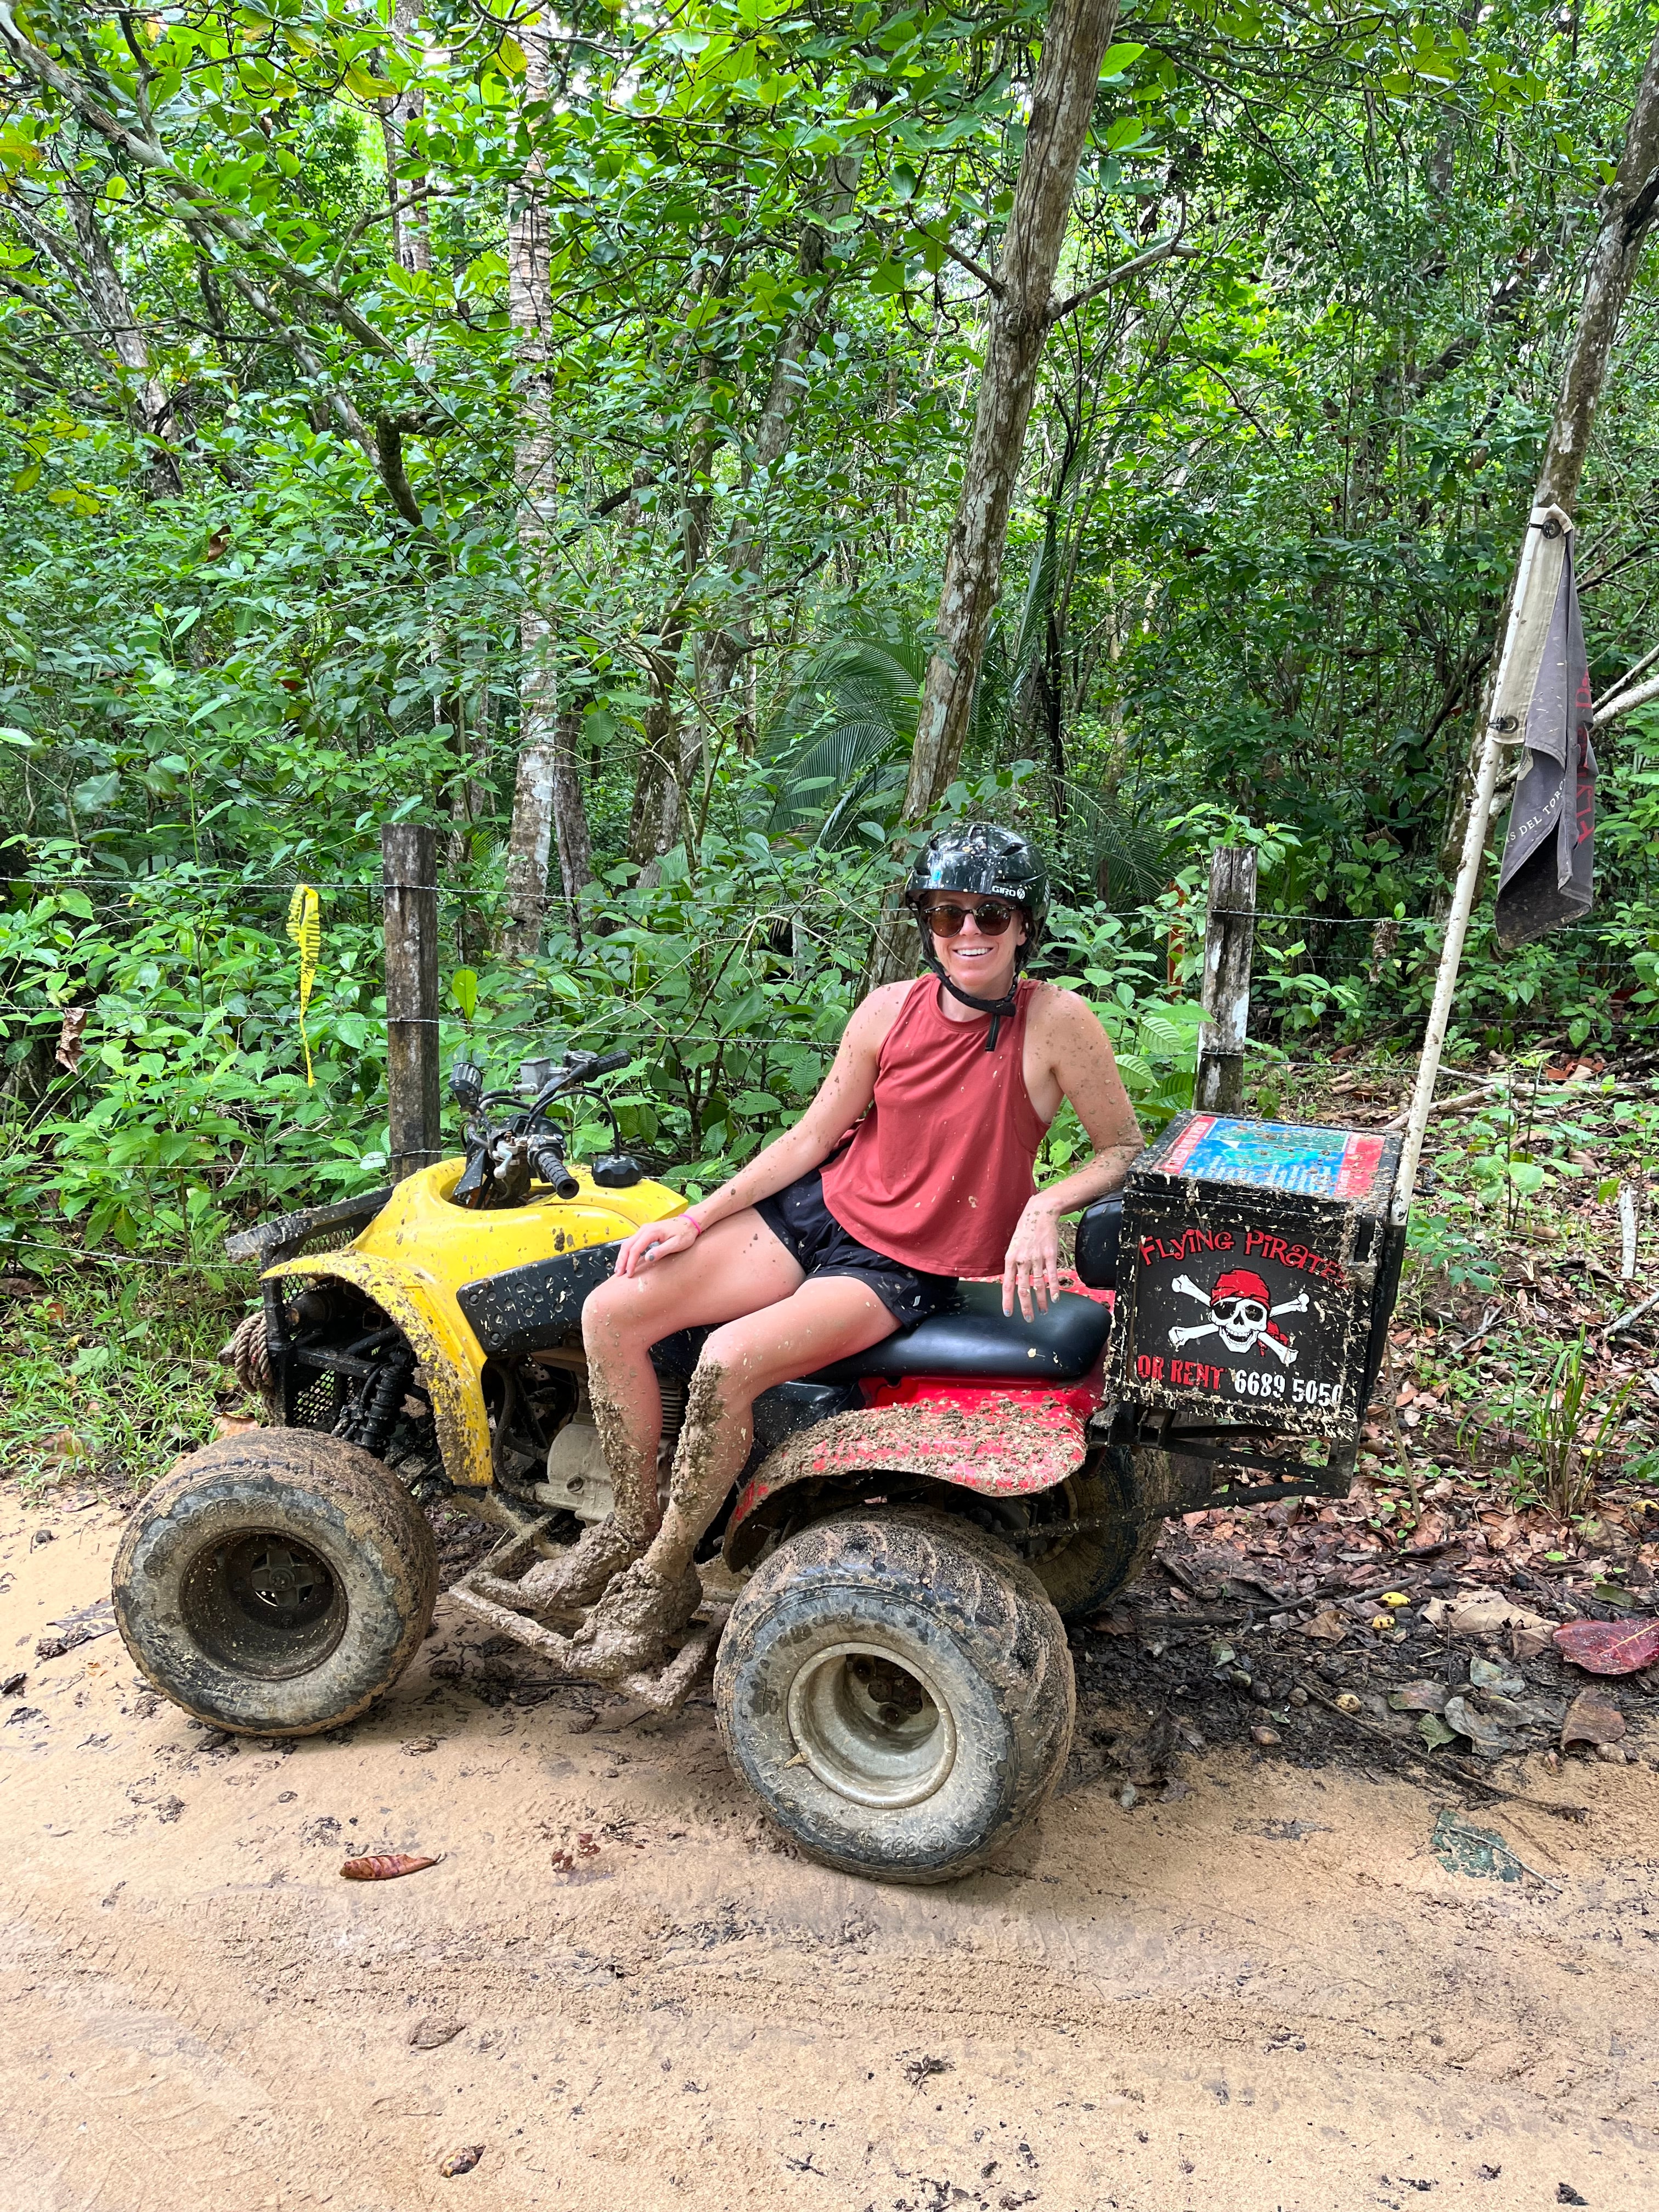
185, 192
1637, 668
389, 453
1625, 702
993, 284
387, 213
1167, 249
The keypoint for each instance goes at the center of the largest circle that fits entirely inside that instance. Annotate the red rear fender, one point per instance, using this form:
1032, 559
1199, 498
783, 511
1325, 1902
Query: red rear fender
995, 1438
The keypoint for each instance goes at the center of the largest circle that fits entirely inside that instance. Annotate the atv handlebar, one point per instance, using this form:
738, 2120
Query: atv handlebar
527, 1135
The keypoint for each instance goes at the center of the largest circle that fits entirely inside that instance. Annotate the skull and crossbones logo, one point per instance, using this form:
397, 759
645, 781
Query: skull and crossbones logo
1242, 1314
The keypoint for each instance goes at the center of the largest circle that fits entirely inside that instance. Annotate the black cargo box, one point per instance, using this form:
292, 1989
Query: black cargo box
1257, 1270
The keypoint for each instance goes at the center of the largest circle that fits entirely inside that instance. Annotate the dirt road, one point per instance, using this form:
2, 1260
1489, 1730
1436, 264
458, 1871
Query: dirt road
1267, 1994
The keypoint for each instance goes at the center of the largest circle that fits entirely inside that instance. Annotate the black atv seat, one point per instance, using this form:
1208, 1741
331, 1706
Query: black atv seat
974, 1341
530, 1308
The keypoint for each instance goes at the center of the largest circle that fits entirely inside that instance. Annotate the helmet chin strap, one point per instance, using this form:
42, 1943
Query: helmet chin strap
995, 1007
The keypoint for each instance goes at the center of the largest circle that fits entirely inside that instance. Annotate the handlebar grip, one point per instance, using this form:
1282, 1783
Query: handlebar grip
548, 1160
608, 1063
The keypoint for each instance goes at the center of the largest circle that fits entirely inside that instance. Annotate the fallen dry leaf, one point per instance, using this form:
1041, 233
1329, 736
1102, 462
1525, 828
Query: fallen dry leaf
1590, 1719
1609, 1647
384, 1866
1483, 1732
433, 2032
1480, 1613
70, 1041
1422, 1697
460, 2161
1327, 1626
233, 1425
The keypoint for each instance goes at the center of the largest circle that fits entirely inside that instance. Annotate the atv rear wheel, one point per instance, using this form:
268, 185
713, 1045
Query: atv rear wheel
897, 1691
276, 1582
1083, 1572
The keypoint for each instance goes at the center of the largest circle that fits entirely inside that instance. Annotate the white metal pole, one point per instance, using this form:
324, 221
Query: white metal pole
1469, 876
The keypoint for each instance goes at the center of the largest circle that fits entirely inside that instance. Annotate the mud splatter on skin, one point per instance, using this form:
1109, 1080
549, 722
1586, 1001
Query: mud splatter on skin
633, 1471
713, 1446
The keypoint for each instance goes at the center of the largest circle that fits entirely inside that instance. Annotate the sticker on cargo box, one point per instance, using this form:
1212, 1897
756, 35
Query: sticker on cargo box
1276, 1156
1240, 1315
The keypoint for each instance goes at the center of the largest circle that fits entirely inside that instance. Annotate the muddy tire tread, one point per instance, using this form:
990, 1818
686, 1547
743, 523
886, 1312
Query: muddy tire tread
980, 1591
374, 1511
1090, 1570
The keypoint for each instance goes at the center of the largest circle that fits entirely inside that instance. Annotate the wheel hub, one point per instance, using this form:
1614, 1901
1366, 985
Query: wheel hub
870, 1724
265, 1603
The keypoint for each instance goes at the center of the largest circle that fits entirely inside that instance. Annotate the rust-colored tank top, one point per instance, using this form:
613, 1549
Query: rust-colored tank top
939, 1168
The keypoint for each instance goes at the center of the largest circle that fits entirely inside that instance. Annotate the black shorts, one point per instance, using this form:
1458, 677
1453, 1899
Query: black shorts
797, 1217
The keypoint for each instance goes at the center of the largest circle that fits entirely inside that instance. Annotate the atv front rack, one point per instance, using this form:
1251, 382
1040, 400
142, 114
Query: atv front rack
315, 1229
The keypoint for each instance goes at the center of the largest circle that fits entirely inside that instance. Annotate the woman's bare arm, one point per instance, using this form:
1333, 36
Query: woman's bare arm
1078, 1065
843, 1095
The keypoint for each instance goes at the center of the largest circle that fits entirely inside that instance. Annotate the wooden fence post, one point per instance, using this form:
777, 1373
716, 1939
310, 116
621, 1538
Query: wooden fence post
1229, 941
410, 864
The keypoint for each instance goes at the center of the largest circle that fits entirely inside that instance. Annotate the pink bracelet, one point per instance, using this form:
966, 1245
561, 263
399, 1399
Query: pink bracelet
696, 1225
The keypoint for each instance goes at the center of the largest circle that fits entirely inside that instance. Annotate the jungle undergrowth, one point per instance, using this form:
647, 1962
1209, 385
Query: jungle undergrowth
1507, 1388
108, 1381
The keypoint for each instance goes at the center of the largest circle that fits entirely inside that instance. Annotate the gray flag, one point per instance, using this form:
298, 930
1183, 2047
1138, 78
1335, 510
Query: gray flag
1544, 692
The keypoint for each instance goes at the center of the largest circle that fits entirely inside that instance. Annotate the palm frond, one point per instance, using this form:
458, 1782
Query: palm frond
850, 712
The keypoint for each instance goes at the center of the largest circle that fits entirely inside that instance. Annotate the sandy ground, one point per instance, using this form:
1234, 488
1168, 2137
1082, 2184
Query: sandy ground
1267, 1994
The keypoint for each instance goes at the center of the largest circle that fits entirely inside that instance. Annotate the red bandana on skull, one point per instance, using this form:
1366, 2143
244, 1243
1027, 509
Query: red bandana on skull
1240, 1306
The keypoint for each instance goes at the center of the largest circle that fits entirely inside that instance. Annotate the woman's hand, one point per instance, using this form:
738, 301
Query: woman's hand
1031, 1269
658, 1240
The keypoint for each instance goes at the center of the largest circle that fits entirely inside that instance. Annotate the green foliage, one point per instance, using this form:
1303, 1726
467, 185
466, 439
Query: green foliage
289, 496
1573, 1437
111, 1376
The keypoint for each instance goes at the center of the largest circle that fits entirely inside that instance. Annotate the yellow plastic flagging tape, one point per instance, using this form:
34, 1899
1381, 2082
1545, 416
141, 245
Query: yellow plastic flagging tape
305, 927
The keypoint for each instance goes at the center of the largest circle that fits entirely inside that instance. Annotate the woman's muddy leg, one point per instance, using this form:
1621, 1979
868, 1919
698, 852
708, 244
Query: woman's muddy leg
713, 1444
829, 1318
730, 1266
627, 1402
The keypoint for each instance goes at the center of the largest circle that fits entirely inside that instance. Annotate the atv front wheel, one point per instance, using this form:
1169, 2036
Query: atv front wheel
897, 1691
275, 1584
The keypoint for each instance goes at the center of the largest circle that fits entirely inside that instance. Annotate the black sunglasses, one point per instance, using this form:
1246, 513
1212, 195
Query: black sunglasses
991, 916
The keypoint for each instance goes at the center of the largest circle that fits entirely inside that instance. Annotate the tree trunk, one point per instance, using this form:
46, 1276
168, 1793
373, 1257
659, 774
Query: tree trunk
547, 794
676, 749
570, 829
90, 266
411, 239
1020, 314
746, 551
656, 822
1627, 211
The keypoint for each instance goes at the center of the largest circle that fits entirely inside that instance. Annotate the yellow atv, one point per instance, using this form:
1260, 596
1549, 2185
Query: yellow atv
887, 1586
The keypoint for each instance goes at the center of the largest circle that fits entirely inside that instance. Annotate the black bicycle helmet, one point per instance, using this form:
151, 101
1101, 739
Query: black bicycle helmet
986, 862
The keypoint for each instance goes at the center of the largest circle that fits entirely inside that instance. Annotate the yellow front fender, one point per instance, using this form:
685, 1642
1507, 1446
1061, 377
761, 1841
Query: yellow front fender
441, 1340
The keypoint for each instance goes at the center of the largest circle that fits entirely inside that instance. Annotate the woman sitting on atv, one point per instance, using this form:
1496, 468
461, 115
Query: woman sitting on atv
825, 1243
